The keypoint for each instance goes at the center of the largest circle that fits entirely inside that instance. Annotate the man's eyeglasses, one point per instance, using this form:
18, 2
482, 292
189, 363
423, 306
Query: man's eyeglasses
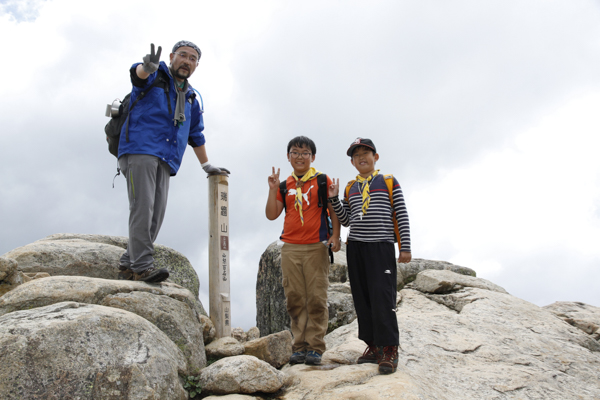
186, 56
295, 154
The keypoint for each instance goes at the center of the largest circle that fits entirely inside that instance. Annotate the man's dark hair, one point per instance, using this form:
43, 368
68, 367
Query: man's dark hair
302, 141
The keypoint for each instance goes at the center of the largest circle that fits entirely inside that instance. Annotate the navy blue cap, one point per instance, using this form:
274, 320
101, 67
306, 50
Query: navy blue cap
361, 142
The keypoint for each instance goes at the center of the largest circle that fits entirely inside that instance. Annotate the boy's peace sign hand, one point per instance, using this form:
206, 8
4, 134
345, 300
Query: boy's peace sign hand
274, 179
334, 188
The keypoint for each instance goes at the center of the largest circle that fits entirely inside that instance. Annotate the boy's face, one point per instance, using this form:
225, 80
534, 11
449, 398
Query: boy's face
364, 161
300, 158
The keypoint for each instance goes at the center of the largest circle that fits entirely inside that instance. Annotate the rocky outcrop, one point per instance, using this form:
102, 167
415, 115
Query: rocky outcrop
340, 305
11, 276
271, 312
580, 315
96, 256
408, 272
71, 350
170, 307
83, 269
462, 338
444, 281
471, 343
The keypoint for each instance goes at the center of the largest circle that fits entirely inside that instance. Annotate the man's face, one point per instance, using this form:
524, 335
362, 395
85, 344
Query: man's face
184, 62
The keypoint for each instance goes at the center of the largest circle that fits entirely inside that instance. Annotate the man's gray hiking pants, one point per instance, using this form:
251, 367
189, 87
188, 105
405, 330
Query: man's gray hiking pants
147, 188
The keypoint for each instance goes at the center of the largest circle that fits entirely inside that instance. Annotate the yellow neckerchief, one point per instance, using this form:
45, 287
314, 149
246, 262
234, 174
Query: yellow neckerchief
366, 197
299, 181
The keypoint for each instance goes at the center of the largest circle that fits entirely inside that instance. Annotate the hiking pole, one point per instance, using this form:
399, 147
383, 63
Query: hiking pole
218, 253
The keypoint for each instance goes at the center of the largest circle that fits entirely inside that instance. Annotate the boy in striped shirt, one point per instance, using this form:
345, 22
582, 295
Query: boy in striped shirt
367, 210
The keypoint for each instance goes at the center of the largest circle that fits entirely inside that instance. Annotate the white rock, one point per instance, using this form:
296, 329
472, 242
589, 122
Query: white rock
224, 347
240, 374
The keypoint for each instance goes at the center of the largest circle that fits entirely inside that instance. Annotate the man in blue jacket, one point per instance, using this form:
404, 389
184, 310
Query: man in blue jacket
164, 121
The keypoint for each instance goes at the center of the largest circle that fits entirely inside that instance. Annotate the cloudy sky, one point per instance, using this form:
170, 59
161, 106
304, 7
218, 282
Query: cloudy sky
486, 112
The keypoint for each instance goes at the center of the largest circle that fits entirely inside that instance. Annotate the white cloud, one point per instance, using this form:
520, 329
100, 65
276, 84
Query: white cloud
540, 193
485, 112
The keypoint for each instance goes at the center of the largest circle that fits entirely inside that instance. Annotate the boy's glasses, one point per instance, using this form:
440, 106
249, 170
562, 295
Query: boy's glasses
295, 154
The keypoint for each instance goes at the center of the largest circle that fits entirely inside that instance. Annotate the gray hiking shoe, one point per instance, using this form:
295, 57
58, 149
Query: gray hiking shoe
312, 358
152, 275
298, 357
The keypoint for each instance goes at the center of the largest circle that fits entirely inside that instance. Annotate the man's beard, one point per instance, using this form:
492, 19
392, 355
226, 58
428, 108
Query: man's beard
180, 75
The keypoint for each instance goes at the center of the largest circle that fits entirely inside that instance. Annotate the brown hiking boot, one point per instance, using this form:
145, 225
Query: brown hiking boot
125, 274
388, 359
369, 356
152, 275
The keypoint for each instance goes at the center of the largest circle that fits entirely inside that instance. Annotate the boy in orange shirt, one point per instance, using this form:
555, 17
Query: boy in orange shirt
304, 255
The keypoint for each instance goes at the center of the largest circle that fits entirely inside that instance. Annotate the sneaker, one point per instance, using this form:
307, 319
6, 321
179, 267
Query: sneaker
369, 356
388, 359
152, 275
313, 358
298, 357
125, 274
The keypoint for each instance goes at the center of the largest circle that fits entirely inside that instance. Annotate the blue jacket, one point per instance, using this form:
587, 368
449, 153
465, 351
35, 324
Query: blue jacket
151, 128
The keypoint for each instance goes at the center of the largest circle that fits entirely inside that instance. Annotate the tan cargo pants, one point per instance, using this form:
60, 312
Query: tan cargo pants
305, 270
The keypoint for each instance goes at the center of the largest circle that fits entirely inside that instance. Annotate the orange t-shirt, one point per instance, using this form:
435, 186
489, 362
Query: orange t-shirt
314, 229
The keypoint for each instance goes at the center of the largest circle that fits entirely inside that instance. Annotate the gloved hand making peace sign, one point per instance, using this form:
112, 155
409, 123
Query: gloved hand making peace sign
152, 60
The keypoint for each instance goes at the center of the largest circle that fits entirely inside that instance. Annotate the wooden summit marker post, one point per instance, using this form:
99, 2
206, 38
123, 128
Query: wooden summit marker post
218, 253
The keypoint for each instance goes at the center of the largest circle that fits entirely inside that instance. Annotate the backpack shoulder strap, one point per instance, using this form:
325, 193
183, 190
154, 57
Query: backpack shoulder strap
322, 191
347, 191
389, 182
283, 191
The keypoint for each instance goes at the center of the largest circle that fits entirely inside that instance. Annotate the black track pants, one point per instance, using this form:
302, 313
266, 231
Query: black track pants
372, 273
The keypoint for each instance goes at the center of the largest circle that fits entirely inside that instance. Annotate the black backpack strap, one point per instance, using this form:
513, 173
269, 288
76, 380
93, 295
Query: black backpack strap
283, 191
322, 195
322, 191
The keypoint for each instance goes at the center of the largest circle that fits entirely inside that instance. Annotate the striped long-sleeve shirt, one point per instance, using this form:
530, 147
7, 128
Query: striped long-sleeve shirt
377, 224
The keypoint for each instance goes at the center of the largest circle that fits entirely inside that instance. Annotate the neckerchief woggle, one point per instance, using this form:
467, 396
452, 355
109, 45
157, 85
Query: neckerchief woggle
299, 182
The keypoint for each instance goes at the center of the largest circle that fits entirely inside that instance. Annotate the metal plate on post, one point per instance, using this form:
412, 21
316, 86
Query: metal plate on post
224, 242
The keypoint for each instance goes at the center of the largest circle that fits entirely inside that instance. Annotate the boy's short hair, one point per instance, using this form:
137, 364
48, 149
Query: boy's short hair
302, 141
361, 142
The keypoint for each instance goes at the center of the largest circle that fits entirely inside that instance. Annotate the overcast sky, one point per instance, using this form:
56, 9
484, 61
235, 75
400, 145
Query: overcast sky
487, 112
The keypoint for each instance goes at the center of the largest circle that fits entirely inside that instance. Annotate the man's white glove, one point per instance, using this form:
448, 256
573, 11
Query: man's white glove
152, 60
